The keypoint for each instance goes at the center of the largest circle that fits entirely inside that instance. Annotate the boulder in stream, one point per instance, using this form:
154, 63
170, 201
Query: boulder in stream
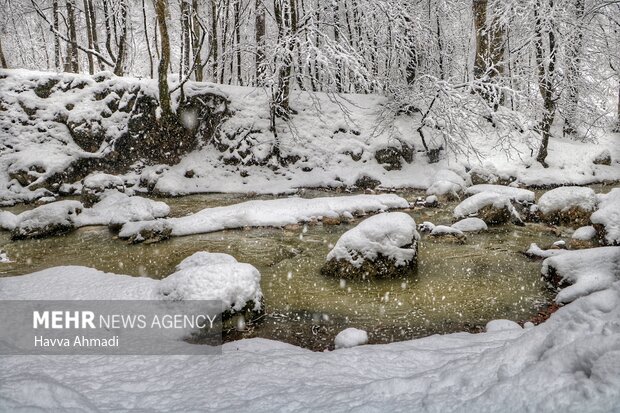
491, 207
56, 218
383, 245
568, 205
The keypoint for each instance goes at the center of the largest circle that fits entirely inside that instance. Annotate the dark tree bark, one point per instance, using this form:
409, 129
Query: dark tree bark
146, 39
214, 41
2, 58
93, 30
490, 49
74, 64
237, 12
196, 46
259, 37
89, 36
108, 30
546, 61
573, 71
164, 62
285, 13
122, 42
185, 37
57, 51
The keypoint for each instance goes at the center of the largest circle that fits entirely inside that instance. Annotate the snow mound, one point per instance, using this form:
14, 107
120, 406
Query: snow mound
608, 216
566, 197
500, 325
470, 225
214, 277
444, 188
57, 217
535, 251
475, 203
586, 270
385, 234
584, 233
426, 226
442, 230
117, 208
351, 337
273, 213
103, 181
8, 220
514, 194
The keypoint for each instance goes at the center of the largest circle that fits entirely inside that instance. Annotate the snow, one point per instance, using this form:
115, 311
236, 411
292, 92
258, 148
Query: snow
587, 270
470, 225
273, 213
202, 276
383, 234
439, 230
57, 213
8, 220
103, 181
213, 277
426, 226
351, 337
500, 325
514, 194
474, 203
608, 215
535, 251
568, 363
584, 233
565, 197
118, 208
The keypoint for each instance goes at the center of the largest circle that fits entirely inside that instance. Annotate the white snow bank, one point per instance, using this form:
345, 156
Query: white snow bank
8, 220
608, 215
587, 270
584, 233
351, 337
480, 200
470, 225
273, 213
565, 197
383, 234
514, 194
500, 325
100, 180
118, 208
205, 276
202, 276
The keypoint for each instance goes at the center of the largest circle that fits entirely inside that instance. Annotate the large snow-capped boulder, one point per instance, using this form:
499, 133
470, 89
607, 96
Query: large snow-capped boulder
491, 207
583, 237
444, 231
56, 218
520, 195
383, 245
207, 276
582, 272
569, 205
97, 183
447, 184
607, 219
116, 208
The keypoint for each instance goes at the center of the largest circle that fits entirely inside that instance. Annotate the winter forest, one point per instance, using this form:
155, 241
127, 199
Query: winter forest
371, 205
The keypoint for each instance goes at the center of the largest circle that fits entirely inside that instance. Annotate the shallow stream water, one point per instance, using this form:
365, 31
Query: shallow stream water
457, 287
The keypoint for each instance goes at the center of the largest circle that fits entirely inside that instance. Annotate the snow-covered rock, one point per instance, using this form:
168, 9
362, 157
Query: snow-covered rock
582, 272
571, 205
383, 245
514, 194
426, 227
534, 251
491, 207
96, 184
116, 208
584, 233
470, 225
607, 219
205, 276
445, 231
271, 213
501, 325
351, 337
46, 220
8, 220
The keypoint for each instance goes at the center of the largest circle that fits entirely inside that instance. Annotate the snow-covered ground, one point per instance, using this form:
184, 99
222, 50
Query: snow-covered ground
569, 363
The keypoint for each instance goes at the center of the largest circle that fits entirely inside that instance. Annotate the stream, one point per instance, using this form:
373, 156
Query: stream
457, 287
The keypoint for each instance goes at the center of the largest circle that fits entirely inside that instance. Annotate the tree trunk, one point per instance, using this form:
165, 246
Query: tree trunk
259, 37
122, 43
146, 38
185, 38
573, 72
482, 45
73, 51
164, 62
93, 30
2, 59
57, 51
214, 41
89, 36
237, 7
196, 33
546, 70
108, 30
